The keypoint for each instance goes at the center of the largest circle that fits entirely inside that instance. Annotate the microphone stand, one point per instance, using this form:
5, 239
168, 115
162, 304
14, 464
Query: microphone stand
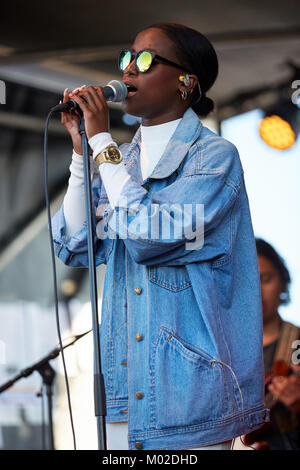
99, 390
48, 374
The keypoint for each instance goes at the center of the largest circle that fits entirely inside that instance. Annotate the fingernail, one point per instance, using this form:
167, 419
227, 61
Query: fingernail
66, 90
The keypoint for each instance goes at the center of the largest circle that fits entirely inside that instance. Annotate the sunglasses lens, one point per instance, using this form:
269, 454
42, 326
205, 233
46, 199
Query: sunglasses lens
124, 59
144, 61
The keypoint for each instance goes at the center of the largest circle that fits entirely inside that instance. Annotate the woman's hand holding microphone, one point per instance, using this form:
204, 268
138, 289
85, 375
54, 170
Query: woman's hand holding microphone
95, 110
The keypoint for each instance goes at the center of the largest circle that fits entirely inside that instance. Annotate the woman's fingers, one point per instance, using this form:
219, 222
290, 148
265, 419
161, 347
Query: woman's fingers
66, 95
83, 103
93, 96
98, 96
94, 108
84, 94
65, 99
70, 118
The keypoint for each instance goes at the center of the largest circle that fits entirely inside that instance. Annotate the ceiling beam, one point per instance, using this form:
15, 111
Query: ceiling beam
35, 124
231, 39
97, 53
234, 39
9, 119
33, 228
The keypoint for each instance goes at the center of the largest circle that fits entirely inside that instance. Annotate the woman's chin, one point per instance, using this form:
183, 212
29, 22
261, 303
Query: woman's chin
129, 108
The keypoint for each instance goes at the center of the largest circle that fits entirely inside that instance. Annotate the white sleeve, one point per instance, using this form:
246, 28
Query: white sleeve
74, 200
114, 177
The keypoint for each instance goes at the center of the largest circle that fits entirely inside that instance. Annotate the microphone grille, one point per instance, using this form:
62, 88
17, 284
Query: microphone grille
120, 90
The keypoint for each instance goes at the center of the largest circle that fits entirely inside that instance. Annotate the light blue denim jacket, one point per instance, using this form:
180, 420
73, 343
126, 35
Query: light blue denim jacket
181, 329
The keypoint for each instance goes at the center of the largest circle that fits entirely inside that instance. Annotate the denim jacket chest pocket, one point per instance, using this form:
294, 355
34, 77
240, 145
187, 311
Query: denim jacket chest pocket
173, 278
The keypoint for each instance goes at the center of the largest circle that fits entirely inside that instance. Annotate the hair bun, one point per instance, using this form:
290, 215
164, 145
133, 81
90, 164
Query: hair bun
204, 106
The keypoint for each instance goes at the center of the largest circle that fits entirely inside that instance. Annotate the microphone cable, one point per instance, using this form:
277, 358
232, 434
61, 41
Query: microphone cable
47, 199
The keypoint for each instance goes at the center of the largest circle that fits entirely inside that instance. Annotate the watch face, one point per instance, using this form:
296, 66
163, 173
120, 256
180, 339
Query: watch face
114, 154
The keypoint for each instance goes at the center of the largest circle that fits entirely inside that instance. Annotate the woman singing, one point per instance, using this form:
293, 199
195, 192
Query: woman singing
181, 320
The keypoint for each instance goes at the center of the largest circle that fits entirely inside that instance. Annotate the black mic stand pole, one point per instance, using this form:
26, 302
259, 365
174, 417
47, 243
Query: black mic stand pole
48, 375
99, 390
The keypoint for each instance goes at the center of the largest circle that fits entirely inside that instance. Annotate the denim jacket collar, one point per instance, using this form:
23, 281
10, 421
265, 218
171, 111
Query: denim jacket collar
186, 134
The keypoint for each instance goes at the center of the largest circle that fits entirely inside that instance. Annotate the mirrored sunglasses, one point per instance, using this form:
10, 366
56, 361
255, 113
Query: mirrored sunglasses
143, 60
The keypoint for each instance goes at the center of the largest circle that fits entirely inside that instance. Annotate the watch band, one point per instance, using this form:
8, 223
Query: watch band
110, 154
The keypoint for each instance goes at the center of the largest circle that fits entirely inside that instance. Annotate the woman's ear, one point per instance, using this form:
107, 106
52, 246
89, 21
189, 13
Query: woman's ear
187, 83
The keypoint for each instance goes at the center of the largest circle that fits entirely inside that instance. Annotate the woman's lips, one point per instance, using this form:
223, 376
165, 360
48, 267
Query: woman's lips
131, 91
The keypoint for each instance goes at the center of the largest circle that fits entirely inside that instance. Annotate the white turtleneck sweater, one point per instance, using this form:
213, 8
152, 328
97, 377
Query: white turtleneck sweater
154, 140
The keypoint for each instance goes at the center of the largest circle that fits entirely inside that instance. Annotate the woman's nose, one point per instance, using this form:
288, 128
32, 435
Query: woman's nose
131, 68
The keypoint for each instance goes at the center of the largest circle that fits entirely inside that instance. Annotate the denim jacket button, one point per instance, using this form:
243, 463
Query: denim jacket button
138, 445
138, 337
137, 290
139, 395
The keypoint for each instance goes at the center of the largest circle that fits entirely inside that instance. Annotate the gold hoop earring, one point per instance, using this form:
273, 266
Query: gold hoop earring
184, 95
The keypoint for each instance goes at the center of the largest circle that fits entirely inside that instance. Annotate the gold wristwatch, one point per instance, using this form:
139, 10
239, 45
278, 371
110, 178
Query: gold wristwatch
110, 154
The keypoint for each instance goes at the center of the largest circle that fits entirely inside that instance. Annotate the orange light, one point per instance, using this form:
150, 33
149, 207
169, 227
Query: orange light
277, 133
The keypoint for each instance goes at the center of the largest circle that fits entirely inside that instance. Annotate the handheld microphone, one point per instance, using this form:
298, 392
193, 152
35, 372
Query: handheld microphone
114, 91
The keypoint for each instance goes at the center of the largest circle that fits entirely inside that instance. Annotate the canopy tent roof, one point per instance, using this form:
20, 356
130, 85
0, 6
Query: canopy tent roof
54, 43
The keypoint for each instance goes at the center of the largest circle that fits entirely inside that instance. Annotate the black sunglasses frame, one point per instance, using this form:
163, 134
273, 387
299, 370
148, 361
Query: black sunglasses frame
155, 58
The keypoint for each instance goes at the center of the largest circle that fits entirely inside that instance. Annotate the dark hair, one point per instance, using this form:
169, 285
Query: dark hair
197, 54
265, 249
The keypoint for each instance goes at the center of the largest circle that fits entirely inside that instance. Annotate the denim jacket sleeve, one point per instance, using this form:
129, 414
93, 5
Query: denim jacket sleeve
73, 250
202, 200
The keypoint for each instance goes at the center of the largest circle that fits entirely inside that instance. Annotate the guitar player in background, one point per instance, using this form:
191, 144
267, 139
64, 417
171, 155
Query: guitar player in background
282, 373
